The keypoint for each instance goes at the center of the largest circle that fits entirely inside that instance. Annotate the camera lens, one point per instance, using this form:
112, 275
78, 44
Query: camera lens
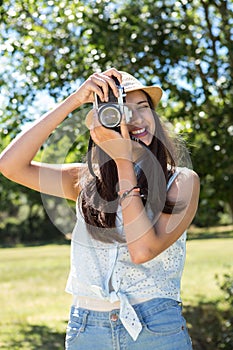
109, 116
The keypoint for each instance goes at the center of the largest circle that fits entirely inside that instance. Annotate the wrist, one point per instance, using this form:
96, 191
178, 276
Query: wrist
74, 101
126, 174
123, 163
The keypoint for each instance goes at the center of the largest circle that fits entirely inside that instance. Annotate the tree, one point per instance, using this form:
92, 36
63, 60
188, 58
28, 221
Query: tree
186, 46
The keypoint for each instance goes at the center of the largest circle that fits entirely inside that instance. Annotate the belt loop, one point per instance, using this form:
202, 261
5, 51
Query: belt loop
84, 321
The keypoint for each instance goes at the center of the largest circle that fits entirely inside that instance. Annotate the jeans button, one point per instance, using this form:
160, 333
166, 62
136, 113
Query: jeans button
114, 317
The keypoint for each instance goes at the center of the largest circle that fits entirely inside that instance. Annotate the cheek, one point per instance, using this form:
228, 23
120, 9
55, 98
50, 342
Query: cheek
151, 124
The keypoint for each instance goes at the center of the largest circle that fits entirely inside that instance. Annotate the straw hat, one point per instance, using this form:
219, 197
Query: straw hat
132, 84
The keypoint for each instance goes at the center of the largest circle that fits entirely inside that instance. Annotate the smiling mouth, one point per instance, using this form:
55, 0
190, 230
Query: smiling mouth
139, 132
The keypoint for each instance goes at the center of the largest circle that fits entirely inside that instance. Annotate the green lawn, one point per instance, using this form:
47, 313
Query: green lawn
35, 308
205, 259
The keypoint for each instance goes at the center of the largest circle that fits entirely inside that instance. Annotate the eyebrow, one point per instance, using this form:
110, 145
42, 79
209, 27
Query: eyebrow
140, 102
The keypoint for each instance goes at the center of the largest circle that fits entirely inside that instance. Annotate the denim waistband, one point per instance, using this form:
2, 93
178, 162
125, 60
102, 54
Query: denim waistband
143, 309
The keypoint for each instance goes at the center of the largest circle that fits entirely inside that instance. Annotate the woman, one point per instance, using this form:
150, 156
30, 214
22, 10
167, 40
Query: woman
128, 245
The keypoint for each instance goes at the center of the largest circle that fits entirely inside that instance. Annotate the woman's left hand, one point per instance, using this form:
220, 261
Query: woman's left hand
117, 145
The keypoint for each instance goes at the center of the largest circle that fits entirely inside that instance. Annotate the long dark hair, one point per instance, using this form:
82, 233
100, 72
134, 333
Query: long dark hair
99, 197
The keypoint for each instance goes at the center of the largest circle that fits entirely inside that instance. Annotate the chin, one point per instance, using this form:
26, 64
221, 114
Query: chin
147, 140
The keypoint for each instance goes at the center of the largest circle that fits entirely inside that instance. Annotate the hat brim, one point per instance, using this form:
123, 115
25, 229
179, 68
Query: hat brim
155, 92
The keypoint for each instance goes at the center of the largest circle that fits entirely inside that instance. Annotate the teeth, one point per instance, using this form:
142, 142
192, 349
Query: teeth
137, 132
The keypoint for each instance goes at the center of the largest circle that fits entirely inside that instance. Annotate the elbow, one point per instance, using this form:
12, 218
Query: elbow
138, 260
142, 256
5, 168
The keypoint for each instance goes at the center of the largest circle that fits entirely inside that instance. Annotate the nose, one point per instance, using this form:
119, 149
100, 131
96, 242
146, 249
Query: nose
136, 116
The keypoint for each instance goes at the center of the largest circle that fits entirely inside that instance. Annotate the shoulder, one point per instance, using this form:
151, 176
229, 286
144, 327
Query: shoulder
187, 176
186, 183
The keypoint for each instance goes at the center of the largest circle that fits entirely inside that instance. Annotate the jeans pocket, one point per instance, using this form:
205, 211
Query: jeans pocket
75, 327
167, 321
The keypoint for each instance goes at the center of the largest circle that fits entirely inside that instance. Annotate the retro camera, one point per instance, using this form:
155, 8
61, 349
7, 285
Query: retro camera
110, 113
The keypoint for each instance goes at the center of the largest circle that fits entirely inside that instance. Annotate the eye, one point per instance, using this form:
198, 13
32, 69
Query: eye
143, 107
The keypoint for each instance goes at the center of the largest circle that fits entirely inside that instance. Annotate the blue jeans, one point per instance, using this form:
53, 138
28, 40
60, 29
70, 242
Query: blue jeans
164, 328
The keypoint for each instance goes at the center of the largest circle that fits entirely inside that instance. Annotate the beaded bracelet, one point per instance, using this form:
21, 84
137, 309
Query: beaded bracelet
127, 192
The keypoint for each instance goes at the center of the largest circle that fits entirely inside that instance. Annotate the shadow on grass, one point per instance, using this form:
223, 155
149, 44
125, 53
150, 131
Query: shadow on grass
211, 232
15, 244
210, 327
33, 337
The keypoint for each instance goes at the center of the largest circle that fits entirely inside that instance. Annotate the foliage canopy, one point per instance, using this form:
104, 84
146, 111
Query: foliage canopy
49, 47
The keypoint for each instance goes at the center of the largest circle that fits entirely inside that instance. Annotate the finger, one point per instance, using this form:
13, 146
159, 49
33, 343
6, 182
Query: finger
92, 119
100, 86
113, 86
89, 119
96, 134
110, 84
105, 81
96, 123
114, 72
124, 128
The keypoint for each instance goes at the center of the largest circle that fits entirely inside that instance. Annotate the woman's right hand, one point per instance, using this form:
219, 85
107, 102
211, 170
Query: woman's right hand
98, 83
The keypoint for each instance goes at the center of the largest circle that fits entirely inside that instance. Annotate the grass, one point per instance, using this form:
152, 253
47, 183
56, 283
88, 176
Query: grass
205, 259
35, 308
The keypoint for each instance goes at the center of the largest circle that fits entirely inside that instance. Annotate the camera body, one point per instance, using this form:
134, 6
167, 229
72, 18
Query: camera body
110, 113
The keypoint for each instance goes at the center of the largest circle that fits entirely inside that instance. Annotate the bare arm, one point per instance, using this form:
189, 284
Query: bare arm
16, 161
145, 239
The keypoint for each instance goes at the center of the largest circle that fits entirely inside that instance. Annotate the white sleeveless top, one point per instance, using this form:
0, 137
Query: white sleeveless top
104, 271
